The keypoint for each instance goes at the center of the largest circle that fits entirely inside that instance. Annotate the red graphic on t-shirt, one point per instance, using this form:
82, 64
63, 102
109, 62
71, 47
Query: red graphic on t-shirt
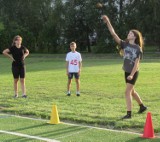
74, 62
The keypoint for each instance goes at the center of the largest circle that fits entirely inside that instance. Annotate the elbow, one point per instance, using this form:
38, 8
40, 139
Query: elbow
4, 53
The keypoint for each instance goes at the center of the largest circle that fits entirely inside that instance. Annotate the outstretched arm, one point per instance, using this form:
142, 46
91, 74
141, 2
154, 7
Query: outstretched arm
114, 35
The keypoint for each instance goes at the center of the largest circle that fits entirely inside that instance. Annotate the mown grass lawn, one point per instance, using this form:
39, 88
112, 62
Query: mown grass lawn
102, 100
61, 132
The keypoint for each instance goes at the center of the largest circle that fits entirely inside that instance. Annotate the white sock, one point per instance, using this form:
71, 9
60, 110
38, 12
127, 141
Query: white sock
78, 92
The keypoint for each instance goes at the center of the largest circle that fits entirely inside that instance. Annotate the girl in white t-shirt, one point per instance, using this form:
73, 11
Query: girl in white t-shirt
73, 68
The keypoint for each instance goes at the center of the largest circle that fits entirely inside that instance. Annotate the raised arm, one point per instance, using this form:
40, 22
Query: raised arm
114, 35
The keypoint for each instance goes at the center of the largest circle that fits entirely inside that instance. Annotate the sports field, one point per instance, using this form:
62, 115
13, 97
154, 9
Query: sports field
101, 102
20, 129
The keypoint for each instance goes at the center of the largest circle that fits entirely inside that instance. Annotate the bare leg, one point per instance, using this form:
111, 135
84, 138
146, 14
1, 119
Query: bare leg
23, 86
129, 88
136, 96
139, 101
69, 85
16, 86
78, 85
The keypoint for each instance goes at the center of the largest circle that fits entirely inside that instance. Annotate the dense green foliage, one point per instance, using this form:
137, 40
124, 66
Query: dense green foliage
47, 26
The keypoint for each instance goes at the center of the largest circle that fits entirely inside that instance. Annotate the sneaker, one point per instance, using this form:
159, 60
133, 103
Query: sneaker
68, 94
24, 96
15, 96
126, 116
78, 94
142, 109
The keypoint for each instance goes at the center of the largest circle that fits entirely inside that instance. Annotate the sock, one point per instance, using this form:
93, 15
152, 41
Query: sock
129, 113
68, 92
78, 92
141, 105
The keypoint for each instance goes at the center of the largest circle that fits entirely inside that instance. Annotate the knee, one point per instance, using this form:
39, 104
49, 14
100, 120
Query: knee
127, 92
15, 80
69, 81
22, 80
77, 80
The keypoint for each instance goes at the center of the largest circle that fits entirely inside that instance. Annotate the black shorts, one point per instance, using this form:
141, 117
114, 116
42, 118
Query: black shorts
18, 71
133, 81
76, 75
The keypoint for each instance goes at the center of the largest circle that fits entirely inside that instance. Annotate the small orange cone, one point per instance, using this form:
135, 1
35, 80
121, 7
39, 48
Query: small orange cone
54, 116
148, 128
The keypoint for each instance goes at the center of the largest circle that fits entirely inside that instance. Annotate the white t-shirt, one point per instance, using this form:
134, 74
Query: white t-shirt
73, 58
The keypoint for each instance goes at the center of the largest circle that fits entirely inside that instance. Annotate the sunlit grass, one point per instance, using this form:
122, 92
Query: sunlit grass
102, 91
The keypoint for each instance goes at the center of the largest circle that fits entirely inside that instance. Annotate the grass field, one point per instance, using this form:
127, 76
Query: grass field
20, 127
102, 100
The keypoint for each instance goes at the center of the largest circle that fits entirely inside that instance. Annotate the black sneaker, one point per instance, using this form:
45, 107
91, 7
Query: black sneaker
24, 96
78, 94
68, 94
142, 109
126, 116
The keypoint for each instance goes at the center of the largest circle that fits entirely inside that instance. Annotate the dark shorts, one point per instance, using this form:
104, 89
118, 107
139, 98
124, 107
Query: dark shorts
75, 74
133, 81
18, 71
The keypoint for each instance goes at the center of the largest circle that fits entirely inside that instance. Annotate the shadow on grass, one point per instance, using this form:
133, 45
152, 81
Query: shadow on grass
140, 139
57, 132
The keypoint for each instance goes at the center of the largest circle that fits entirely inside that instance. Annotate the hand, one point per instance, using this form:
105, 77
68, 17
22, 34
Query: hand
105, 18
67, 73
23, 57
130, 77
12, 59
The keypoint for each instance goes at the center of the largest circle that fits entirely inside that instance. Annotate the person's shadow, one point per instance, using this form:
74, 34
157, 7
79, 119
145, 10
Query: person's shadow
140, 139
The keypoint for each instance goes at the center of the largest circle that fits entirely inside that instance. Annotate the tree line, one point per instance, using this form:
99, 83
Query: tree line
48, 26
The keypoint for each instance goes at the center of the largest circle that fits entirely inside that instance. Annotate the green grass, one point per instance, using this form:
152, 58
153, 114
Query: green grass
61, 132
102, 100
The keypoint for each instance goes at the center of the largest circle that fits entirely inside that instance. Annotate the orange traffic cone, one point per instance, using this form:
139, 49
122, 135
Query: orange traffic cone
148, 128
54, 116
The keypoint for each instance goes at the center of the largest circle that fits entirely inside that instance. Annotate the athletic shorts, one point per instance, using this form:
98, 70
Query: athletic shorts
18, 71
76, 75
133, 81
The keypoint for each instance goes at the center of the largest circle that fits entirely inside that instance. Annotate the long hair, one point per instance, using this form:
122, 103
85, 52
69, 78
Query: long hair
15, 38
139, 38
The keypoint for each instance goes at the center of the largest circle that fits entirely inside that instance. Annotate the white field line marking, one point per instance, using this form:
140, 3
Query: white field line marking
28, 136
118, 131
78, 132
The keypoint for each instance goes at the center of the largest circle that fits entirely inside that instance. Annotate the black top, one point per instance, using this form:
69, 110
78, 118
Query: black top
17, 54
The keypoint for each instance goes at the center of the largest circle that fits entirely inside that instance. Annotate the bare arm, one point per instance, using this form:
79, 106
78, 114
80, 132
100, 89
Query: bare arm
80, 66
6, 53
114, 35
67, 63
135, 68
26, 54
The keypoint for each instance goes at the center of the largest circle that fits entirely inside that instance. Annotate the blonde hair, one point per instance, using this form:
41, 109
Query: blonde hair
15, 38
72, 43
